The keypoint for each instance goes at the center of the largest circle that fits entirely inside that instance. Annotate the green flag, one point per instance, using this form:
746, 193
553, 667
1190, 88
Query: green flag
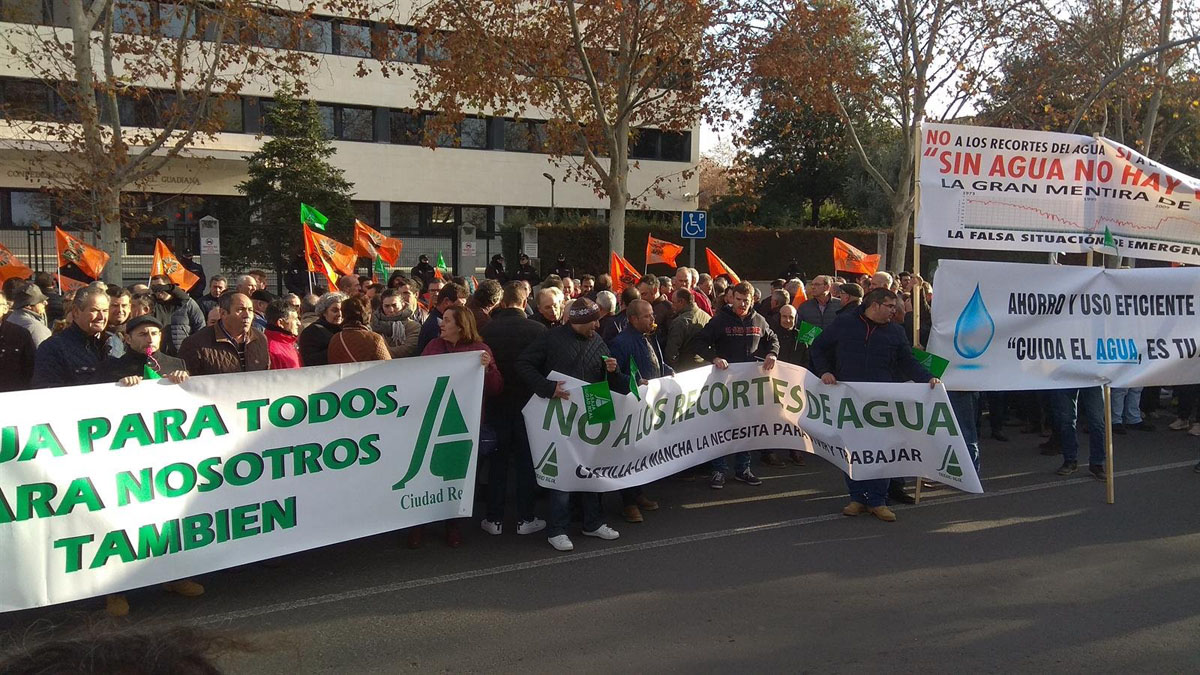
312, 217
932, 362
807, 333
633, 379
148, 373
441, 261
597, 400
380, 269
1108, 238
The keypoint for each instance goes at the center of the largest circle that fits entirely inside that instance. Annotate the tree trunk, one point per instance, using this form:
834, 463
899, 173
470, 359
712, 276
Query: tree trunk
618, 187
109, 211
816, 212
616, 221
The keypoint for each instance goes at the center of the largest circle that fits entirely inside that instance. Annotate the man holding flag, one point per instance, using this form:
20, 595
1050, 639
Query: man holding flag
640, 356
577, 351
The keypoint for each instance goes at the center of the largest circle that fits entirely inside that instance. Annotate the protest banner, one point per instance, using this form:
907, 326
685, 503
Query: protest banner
1007, 326
105, 489
1013, 190
868, 430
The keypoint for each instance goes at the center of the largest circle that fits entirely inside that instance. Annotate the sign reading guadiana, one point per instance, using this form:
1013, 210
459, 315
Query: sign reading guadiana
868, 430
104, 489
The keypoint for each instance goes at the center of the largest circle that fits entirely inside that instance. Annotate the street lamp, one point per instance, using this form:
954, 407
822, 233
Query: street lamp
553, 211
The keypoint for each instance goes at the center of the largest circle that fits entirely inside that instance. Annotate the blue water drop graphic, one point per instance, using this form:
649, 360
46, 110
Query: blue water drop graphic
974, 330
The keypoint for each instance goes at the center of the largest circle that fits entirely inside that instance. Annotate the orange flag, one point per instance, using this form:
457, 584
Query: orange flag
328, 256
846, 258
623, 274
717, 267
11, 266
369, 242
71, 250
67, 284
167, 264
659, 251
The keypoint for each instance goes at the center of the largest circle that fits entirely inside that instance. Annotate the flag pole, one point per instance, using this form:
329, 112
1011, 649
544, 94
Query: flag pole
1110, 491
916, 304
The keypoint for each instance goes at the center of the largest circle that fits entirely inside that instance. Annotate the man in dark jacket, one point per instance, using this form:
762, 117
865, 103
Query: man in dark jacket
143, 338
867, 346
423, 271
821, 307
72, 356
577, 351
178, 313
639, 343
562, 269
508, 334
229, 346
16, 355
526, 272
737, 334
495, 270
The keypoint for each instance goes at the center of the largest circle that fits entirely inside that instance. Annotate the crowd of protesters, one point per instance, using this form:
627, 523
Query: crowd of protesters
525, 327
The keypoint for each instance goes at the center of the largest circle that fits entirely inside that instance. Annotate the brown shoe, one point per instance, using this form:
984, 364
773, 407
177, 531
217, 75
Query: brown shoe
646, 504
631, 514
854, 509
116, 605
883, 513
797, 457
187, 588
771, 459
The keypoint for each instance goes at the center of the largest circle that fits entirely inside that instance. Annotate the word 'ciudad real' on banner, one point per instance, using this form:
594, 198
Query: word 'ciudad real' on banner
107, 489
1014, 190
868, 430
1007, 326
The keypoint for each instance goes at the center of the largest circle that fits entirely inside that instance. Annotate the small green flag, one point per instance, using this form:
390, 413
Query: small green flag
1108, 238
807, 333
441, 261
932, 362
633, 379
149, 374
380, 269
597, 400
312, 217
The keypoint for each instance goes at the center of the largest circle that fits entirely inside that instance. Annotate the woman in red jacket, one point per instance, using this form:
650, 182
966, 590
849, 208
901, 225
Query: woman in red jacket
459, 334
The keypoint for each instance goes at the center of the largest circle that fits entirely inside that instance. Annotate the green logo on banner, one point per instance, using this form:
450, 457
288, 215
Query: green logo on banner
453, 446
950, 465
548, 466
807, 333
932, 362
597, 399
634, 376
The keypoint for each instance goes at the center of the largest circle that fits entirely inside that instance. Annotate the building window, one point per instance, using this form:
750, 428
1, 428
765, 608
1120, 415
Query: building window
229, 113
442, 215
475, 215
31, 208
132, 16
24, 11
368, 212
276, 31
26, 99
644, 144
176, 23
358, 124
474, 133
405, 217
524, 135
354, 39
433, 49
403, 45
316, 35
676, 146
406, 127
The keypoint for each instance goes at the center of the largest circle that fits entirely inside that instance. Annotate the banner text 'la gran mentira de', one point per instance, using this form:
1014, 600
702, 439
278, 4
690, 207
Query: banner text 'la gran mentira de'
106, 488
1013, 190
868, 430
1006, 326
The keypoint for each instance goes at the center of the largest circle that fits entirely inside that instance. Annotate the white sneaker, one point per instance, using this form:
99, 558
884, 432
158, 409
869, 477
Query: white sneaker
491, 527
603, 532
1178, 425
1195, 430
531, 526
562, 543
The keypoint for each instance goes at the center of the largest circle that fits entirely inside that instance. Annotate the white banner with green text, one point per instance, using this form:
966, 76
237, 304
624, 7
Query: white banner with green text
866, 429
106, 488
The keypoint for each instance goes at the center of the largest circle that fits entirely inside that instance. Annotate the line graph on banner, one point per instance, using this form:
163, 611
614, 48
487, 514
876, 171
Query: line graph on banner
1067, 216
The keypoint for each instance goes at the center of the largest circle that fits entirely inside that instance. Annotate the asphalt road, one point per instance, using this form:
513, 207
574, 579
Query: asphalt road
1036, 575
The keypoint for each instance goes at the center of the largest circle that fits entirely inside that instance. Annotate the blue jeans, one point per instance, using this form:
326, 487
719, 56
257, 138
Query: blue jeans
741, 462
512, 444
870, 492
1066, 404
1127, 405
966, 408
560, 512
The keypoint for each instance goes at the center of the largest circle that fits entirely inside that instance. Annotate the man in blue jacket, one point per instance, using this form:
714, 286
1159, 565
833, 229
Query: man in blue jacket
865, 345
